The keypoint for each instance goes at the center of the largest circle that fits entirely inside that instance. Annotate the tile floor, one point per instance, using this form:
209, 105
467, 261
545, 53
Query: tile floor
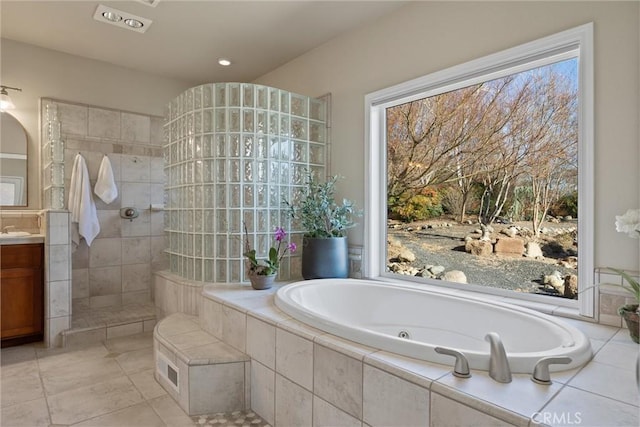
108, 384
107, 316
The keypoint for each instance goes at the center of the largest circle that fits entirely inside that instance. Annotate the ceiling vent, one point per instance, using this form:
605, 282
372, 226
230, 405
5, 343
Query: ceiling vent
121, 19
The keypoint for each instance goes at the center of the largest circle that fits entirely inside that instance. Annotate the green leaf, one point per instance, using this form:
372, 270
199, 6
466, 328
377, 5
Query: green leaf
273, 256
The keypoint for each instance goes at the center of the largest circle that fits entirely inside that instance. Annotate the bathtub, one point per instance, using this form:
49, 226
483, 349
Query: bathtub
412, 320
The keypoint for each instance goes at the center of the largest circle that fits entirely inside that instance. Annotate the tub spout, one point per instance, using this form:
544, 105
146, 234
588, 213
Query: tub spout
499, 368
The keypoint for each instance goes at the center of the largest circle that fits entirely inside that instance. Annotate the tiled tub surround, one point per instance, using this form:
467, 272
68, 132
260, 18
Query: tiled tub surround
116, 270
233, 152
174, 294
611, 295
303, 376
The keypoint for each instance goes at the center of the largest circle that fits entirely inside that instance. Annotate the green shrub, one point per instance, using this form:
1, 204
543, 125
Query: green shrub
424, 205
566, 205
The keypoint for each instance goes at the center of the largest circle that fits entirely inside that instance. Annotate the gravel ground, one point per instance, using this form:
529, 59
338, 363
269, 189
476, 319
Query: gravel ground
445, 246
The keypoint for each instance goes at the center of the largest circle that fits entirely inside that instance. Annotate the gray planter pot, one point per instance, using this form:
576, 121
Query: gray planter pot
259, 282
325, 258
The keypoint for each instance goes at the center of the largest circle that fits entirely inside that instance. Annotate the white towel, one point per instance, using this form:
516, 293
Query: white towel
81, 205
106, 187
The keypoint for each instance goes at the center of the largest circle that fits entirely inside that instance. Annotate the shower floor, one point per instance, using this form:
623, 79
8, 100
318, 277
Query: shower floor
99, 324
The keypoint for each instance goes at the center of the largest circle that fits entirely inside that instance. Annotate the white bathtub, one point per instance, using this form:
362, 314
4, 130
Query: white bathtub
375, 313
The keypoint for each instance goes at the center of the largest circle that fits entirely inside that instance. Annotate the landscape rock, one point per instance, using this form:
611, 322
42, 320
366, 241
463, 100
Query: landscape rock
570, 286
510, 246
401, 268
479, 247
533, 250
405, 255
394, 242
436, 270
398, 253
455, 276
424, 272
555, 280
510, 232
569, 262
525, 232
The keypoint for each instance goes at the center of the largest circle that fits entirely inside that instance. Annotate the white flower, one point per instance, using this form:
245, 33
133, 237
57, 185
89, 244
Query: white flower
629, 223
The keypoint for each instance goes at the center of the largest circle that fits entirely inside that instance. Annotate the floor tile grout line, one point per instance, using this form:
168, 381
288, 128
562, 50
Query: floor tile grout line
44, 391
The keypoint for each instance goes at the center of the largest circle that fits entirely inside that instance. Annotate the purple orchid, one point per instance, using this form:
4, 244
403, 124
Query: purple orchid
280, 234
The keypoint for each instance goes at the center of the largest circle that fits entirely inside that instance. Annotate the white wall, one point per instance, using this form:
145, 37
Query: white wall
424, 37
44, 73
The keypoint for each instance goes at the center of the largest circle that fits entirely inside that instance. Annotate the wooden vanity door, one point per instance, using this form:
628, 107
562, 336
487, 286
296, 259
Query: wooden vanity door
21, 292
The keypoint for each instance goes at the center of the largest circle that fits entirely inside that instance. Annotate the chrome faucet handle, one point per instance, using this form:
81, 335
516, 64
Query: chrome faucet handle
541, 370
461, 368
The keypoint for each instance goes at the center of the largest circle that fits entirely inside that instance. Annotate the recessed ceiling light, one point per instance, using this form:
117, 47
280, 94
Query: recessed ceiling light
121, 19
224, 62
112, 16
133, 23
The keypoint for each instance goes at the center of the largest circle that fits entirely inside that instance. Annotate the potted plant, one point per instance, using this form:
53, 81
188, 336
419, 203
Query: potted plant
262, 273
325, 251
630, 223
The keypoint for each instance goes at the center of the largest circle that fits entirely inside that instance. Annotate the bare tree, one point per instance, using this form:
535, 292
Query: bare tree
493, 136
437, 140
551, 165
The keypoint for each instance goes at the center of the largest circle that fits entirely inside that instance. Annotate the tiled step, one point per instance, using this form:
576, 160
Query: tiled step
230, 419
202, 374
98, 325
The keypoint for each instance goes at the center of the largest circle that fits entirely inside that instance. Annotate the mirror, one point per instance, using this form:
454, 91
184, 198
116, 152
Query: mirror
13, 162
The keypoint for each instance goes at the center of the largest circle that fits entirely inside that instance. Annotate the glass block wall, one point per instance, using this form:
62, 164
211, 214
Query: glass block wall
52, 159
233, 152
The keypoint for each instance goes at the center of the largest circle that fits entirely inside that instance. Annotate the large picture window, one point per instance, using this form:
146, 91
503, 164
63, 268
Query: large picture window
481, 176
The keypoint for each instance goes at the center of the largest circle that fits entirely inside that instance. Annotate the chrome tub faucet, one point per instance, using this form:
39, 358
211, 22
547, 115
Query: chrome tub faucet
499, 368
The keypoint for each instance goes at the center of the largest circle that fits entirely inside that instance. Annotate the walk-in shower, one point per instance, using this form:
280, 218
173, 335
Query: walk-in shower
233, 152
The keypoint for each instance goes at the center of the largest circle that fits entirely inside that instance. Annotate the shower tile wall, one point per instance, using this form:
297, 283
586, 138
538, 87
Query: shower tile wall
117, 268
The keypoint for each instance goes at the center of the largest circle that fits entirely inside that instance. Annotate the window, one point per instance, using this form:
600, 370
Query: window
495, 144
11, 189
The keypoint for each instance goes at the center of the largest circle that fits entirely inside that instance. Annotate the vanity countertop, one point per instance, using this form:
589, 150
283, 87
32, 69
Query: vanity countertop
10, 239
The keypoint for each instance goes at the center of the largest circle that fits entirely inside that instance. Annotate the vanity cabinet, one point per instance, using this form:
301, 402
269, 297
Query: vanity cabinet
22, 293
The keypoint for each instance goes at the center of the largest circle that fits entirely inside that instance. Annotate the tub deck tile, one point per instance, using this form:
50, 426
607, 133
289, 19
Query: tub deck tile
341, 345
416, 371
300, 329
583, 408
503, 401
271, 315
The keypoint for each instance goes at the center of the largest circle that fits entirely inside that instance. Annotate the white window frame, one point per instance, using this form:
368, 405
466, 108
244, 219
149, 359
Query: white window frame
575, 42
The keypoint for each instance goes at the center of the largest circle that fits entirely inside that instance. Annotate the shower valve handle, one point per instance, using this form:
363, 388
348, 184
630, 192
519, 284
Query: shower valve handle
461, 368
